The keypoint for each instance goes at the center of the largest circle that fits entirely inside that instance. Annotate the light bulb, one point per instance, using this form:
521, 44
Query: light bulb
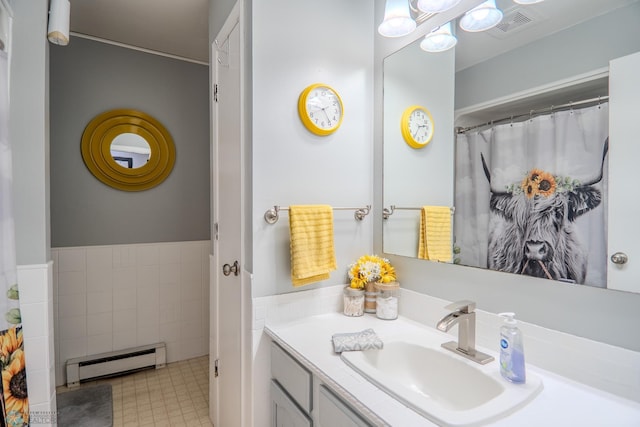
439, 40
481, 17
397, 19
436, 6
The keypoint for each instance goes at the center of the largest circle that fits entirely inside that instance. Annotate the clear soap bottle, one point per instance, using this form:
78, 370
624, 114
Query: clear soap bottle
511, 350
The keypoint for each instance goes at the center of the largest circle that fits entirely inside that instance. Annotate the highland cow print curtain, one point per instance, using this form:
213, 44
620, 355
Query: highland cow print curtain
531, 196
15, 406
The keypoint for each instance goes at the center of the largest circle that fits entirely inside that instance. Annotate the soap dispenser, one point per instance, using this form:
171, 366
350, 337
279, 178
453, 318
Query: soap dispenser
511, 350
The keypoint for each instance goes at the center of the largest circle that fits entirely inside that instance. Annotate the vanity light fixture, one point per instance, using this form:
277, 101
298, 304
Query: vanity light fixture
481, 17
436, 6
439, 39
397, 20
58, 31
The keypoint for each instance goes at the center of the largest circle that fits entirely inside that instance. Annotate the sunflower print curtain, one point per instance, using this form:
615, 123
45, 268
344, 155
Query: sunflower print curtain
14, 400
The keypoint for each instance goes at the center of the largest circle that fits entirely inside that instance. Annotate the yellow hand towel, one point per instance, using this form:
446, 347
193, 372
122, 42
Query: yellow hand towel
435, 233
312, 249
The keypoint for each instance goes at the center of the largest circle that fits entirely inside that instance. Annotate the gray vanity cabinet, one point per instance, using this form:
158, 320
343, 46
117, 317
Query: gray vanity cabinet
298, 398
284, 411
291, 391
333, 412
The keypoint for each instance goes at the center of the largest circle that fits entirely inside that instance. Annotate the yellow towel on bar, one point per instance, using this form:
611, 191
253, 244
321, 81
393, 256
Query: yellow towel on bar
435, 233
312, 250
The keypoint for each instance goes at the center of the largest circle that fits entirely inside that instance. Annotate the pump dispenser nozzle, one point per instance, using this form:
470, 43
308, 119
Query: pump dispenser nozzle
509, 317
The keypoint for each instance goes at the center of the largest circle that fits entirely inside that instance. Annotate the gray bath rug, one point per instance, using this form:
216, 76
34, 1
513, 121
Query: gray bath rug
86, 407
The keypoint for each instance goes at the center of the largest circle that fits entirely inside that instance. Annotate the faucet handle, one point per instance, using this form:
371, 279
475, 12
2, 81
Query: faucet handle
464, 306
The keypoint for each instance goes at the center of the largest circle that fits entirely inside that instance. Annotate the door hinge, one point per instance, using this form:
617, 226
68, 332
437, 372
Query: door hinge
215, 368
215, 231
215, 92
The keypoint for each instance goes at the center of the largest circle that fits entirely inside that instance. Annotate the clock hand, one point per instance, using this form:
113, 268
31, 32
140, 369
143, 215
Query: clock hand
418, 130
324, 110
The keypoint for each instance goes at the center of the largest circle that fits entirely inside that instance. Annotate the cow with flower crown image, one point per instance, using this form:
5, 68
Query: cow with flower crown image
531, 224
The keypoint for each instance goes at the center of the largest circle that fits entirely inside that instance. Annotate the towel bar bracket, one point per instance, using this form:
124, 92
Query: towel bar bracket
272, 215
360, 213
387, 212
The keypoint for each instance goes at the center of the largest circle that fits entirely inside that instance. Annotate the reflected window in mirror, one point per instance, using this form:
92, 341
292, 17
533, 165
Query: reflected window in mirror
130, 150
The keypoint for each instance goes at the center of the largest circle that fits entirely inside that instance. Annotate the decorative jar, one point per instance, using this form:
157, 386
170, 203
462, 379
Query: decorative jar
370, 295
387, 300
353, 301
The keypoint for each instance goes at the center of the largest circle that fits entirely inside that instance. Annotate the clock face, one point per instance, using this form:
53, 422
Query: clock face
417, 126
320, 109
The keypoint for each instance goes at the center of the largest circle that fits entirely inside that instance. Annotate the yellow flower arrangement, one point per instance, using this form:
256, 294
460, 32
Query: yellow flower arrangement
370, 268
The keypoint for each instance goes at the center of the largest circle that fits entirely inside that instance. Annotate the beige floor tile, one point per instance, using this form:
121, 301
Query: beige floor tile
174, 396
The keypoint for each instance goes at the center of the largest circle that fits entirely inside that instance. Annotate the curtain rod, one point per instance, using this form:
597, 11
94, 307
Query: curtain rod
532, 112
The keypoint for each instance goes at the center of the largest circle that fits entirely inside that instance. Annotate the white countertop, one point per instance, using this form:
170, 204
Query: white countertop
562, 402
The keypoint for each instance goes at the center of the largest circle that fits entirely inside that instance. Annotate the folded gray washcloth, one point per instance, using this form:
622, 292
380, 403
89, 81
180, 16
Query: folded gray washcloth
354, 341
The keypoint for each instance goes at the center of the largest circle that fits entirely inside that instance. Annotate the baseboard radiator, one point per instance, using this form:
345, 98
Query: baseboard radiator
115, 363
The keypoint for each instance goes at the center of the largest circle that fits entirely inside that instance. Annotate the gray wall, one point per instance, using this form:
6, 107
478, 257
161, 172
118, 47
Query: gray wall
88, 78
583, 48
29, 130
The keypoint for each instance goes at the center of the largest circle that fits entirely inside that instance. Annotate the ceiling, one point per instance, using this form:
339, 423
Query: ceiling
547, 17
180, 27
174, 27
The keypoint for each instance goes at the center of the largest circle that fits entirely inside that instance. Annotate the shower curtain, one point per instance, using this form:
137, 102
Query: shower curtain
15, 405
539, 207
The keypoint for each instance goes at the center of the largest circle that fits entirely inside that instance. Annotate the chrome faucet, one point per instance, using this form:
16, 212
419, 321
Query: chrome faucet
464, 316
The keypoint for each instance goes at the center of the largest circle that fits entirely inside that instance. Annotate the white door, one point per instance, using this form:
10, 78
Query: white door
624, 154
227, 306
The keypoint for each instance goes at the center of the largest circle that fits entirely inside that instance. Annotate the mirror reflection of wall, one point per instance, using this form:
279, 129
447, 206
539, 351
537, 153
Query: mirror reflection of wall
557, 67
130, 150
415, 177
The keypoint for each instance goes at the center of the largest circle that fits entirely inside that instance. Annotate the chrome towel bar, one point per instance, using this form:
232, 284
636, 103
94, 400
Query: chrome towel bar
271, 216
387, 212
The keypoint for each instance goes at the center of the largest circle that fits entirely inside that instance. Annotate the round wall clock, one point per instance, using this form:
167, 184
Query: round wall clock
417, 126
320, 109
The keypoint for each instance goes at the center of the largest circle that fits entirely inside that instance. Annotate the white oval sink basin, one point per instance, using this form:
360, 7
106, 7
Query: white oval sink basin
440, 385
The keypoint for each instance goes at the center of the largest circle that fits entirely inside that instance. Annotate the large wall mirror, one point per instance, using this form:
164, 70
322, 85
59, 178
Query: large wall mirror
128, 150
547, 64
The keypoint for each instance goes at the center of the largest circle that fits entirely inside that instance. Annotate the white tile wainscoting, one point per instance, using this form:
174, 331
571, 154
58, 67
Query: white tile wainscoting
120, 296
36, 306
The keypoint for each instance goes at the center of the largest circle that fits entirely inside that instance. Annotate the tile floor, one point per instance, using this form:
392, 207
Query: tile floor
175, 396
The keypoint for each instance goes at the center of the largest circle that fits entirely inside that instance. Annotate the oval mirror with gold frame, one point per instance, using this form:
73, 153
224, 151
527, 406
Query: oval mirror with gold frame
109, 168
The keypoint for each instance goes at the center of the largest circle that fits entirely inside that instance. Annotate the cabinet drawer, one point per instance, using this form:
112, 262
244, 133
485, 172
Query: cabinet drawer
333, 412
293, 377
285, 413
